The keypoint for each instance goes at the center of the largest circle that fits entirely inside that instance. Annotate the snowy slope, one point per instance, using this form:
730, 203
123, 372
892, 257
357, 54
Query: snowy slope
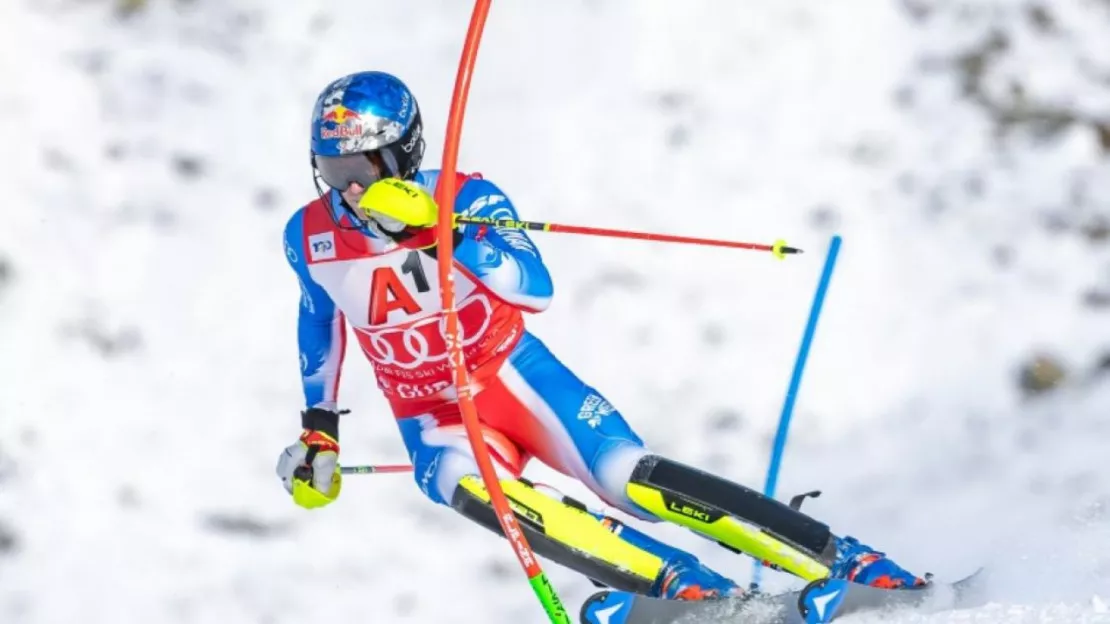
146, 311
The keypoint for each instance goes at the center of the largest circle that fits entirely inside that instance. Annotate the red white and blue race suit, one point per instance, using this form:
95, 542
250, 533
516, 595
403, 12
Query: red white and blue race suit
529, 403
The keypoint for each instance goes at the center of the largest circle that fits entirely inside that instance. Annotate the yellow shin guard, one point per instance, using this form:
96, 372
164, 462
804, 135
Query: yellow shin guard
564, 532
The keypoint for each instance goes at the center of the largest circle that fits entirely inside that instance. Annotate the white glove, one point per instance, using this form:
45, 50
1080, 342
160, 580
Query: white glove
309, 468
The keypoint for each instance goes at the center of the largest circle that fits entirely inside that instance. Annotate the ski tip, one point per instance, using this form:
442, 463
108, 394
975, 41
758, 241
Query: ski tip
968, 586
606, 607
962, 593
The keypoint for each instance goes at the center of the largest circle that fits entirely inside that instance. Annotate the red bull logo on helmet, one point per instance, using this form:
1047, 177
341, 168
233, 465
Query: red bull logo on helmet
347, 123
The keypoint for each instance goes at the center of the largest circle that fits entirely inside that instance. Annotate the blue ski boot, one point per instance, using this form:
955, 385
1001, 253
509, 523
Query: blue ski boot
683, 576
862, 564
686, 578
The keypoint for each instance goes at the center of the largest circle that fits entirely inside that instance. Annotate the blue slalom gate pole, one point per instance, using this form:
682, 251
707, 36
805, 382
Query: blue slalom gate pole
795, 381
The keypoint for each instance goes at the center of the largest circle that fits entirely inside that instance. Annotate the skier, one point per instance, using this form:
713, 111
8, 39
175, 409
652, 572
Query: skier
365, 255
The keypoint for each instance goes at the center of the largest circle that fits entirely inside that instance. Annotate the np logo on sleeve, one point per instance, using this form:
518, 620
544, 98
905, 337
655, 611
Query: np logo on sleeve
321, 246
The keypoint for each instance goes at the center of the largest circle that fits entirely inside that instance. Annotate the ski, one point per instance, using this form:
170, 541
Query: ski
818, 602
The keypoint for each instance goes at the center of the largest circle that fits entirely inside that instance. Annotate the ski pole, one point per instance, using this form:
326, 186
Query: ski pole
382, 469
779, 248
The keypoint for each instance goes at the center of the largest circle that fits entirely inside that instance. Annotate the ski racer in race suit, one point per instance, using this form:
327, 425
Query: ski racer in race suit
364, 253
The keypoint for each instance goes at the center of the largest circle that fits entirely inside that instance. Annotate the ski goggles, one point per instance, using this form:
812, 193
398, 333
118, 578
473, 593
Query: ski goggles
363, 168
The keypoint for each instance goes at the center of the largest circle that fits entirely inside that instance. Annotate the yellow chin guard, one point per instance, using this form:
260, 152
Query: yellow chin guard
404, 201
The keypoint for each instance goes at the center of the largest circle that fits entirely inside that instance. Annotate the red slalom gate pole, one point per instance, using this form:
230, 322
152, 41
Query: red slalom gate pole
445, 198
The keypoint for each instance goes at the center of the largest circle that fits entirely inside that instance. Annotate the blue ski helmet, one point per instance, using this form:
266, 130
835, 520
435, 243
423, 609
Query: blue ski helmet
366, 127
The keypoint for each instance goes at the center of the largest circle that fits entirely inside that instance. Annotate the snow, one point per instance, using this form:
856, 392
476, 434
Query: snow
146, 320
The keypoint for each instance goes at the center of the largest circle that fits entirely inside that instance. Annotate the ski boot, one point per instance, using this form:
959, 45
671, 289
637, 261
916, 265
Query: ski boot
862, 564
686, 578
683, 576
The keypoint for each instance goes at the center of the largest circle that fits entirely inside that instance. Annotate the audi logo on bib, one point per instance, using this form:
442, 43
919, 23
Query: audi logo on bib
421, 344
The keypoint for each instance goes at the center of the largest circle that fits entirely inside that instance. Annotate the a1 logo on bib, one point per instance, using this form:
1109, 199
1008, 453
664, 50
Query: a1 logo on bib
321, 246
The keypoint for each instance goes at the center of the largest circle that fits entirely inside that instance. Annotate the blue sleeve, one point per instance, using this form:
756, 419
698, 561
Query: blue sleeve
504, 259
321, 329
